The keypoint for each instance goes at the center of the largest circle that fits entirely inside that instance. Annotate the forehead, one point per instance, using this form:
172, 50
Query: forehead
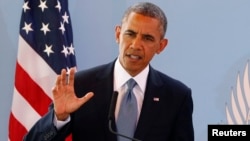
141, 23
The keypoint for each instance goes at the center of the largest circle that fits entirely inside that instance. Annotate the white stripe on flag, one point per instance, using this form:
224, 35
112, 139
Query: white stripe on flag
42, 74
23, 112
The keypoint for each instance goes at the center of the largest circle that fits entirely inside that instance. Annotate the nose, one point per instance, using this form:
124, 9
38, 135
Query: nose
136, 43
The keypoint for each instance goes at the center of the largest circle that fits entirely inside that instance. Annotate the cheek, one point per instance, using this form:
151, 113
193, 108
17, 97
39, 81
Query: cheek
157, 50
123, 44
122, 48
150, 53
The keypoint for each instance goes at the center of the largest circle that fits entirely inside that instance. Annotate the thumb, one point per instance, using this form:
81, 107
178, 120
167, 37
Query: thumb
86, 98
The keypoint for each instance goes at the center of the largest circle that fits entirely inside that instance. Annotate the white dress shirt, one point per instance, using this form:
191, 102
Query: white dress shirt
120, 78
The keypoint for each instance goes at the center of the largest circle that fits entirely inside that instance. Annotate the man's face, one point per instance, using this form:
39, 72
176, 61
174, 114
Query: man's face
139, 39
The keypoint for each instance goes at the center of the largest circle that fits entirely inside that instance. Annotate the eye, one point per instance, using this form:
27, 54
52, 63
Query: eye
130, 33
148, 38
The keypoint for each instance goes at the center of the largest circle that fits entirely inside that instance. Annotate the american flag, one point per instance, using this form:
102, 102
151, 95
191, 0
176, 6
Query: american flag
45, 47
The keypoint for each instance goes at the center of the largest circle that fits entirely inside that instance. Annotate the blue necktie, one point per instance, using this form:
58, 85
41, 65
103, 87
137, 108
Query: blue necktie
127, 117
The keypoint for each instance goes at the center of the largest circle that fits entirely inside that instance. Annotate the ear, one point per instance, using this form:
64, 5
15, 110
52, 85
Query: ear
163, 44
117, 34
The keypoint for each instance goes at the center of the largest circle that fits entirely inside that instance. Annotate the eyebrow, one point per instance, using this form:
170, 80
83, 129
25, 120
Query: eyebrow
144, 35
131, 31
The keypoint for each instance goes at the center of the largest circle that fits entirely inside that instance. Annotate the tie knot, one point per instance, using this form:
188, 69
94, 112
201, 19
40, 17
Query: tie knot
131, 83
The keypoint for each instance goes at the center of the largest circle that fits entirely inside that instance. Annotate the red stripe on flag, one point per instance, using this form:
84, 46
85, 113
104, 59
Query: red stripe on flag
69, 138
16, 129
31, 91
29, 85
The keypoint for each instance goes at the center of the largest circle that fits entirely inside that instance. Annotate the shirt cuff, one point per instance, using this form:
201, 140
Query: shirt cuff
59, 124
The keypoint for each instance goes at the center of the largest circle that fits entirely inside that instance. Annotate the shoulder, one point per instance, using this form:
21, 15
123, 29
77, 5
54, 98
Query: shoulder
93, 71
167, 81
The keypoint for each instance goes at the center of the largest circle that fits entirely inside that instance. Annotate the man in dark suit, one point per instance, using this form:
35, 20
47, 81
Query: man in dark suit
82, 100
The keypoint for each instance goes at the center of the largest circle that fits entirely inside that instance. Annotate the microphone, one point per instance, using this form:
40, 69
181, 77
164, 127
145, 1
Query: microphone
111, 115
112, 105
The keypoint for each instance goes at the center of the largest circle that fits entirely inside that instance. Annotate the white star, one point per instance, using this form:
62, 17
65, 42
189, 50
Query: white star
43, 5
58, 6
71, 49
25, 6
62, 28
45, 28
27, 27
65, 18
65, 51
48, 49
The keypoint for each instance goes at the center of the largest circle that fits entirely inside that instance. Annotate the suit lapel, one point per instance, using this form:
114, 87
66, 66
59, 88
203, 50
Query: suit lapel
104, 87
151, 104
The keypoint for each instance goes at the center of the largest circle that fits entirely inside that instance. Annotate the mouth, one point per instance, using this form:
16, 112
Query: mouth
136, 57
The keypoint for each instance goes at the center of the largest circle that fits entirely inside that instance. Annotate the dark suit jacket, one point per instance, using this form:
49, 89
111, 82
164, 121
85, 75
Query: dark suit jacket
169, 119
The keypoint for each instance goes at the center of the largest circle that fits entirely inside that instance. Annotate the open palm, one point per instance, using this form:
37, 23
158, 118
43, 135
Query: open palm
64, 98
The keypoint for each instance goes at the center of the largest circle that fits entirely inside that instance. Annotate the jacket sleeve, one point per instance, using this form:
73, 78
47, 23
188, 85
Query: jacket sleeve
45, 130
184, 130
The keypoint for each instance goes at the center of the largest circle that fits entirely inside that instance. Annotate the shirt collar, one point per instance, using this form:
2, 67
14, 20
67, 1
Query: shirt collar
121, 77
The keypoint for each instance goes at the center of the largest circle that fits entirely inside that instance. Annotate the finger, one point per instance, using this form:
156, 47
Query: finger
63, 77
54, 92
58, 80
57, 84
71, 77
86, 98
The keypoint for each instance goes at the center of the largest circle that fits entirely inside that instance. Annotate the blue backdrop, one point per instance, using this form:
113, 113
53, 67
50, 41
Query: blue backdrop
208, 49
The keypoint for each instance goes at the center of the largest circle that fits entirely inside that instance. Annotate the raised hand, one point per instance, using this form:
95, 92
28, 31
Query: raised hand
64, 98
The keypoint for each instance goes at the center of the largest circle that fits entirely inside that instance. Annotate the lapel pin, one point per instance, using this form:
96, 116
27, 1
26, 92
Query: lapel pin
156, 99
